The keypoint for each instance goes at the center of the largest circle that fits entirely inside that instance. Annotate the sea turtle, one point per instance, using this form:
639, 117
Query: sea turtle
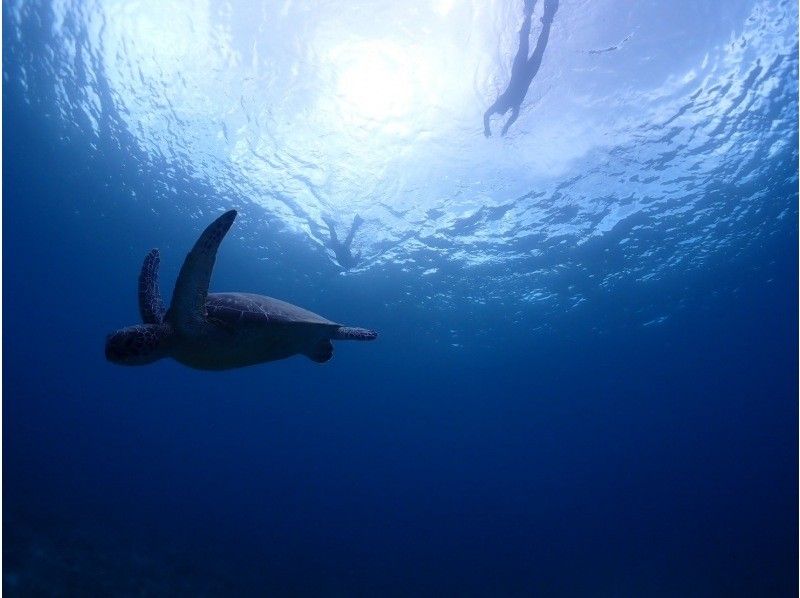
219, 331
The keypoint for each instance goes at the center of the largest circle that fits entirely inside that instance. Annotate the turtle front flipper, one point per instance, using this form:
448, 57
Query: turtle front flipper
187, 313
151, 306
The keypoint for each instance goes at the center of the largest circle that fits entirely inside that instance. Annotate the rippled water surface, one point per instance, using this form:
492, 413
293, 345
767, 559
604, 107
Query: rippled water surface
646, 122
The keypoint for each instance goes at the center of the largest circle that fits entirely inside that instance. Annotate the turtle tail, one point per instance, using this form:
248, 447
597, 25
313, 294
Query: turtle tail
346, 333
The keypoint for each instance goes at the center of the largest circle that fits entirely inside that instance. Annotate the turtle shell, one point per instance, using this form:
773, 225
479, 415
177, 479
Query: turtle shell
249, 308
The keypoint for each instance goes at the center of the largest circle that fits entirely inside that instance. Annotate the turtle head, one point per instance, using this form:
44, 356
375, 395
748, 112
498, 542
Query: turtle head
138, 345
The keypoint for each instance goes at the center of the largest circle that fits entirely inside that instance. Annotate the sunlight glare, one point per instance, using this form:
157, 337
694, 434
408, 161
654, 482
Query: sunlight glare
380, 82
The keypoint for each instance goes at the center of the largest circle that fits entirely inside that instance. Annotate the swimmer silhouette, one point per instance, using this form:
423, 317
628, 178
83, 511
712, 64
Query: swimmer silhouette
524, 69
342, 250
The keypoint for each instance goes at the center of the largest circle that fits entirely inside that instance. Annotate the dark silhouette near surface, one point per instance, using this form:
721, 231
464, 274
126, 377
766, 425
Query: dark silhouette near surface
524, 69
611, 48
342, 250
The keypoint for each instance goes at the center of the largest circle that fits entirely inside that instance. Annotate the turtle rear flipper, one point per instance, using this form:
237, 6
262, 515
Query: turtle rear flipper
321, 352
187, 313
349, 333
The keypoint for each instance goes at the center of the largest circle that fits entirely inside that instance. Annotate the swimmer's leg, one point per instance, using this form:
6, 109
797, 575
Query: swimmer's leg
334, 240
353, 228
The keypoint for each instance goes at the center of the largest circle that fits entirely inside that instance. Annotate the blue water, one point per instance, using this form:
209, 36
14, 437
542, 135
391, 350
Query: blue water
586, 377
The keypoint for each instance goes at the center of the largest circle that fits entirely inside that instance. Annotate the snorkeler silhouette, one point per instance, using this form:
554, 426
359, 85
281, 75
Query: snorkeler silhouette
342, 250
524, 69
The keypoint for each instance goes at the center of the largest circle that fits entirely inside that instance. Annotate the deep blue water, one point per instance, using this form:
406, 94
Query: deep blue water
586, 377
